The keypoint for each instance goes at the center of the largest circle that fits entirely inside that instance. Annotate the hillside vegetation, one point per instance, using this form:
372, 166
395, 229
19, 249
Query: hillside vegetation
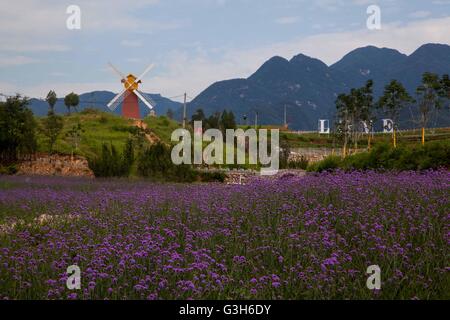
101, 127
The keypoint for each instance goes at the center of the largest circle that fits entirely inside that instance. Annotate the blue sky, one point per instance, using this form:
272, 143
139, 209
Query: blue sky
193, 43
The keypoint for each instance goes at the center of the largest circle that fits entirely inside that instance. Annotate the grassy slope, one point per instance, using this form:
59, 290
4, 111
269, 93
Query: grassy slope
162, 127
315, 140
100, 127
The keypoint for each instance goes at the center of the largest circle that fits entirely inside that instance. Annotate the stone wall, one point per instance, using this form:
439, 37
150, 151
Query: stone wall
312, 154
245, 176
56, 165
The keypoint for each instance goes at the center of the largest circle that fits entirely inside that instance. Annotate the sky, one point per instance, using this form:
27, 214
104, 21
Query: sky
193, 43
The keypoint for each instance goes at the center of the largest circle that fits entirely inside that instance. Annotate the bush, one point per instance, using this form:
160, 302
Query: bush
433, 155
155, 163
111, 163
300, 163
328, 164
8, 170
164, 121
212, 176
126, 128
90, 110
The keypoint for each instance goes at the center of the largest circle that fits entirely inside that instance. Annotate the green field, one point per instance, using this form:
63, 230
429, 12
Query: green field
316, 140
100, 127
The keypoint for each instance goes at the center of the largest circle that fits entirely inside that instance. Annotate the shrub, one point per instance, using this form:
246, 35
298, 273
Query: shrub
433, 155
155, 163
103, 119
111, 163
299, 163
126, 128
164, 121
328, 164
89, 110
8, 170
212, 176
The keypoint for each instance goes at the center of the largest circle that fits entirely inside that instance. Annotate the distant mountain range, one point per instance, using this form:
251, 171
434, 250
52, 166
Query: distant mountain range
99, 100
308, 87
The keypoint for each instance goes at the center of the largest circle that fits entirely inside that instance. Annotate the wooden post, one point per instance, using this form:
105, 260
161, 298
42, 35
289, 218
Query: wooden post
423, 136
395, 138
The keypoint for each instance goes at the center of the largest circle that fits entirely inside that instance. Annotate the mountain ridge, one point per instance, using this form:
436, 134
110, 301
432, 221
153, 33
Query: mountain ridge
308, 87
304, 85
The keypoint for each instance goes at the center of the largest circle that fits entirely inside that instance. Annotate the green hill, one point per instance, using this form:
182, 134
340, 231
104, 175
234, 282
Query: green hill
101, 127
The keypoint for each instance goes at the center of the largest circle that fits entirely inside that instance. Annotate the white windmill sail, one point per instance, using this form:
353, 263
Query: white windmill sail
125, 92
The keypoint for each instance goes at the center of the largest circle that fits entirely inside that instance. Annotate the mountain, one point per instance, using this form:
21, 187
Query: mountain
99, 100
302, 84
356, 67
308, 87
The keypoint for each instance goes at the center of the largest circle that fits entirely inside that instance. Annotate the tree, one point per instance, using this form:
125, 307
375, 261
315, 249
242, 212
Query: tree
393, 100
213, 121
51, 99
74, 136
17, 129
428, 94
111, 163
71, 100
445, 87
285, 152
127, 157
169, 114
155, 163
51, 128
344, 106
199, 115
362, 110
227, 120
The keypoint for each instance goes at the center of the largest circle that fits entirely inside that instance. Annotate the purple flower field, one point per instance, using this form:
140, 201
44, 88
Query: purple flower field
292, 238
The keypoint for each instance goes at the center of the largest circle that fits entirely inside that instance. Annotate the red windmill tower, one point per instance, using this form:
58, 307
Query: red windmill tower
130, 95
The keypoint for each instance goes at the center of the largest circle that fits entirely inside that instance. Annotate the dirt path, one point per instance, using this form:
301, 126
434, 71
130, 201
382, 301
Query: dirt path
149, 135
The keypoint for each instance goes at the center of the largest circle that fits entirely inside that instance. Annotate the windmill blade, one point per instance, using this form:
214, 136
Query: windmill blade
119, 100
148, 98
115, 99
144, 73
121, 75
143, 99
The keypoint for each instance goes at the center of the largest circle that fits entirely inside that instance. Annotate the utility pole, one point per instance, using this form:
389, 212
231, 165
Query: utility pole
285, 121
184, 111
256, 120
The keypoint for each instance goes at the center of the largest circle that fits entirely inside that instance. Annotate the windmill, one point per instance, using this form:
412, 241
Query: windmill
130, 94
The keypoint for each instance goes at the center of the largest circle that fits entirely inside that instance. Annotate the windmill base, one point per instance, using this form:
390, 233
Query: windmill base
130, 107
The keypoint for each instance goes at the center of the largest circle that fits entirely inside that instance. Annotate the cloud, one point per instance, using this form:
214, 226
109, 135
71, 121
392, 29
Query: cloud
420, 14
9, 61
194, 72
441, 2
286, 20
131, 43
40, 25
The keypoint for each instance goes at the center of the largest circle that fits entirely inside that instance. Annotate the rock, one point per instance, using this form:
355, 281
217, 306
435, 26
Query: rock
56, 165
